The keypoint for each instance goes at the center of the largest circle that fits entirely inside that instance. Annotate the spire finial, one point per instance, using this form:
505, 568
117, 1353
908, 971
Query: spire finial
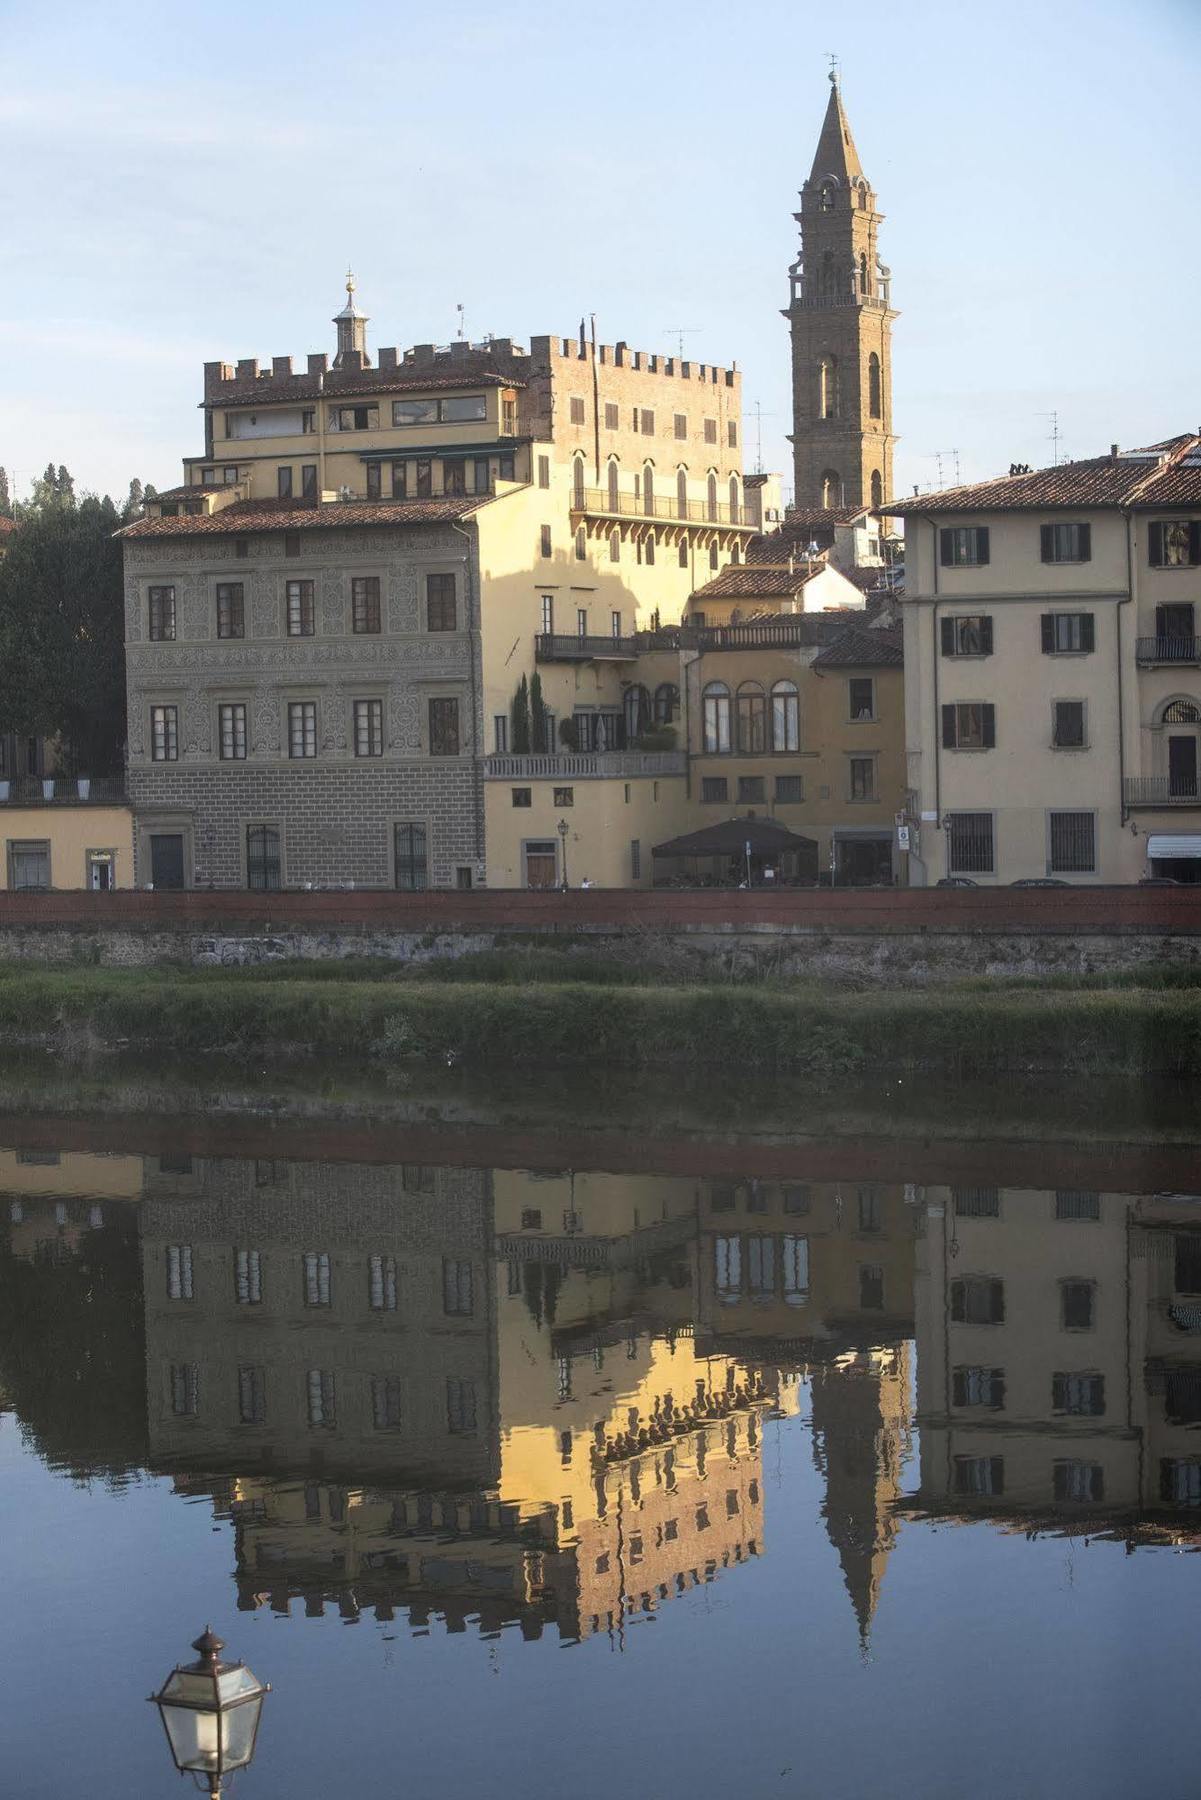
833, 61
350, 282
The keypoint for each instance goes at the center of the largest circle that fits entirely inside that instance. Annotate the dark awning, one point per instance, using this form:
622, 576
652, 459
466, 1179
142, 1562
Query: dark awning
730, 837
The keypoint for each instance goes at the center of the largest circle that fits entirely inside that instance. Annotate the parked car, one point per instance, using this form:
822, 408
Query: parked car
1040, 881
956, 881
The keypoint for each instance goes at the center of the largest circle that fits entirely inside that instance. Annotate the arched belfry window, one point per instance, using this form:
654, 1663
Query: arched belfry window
612, 487
827, 388
873, 385
825, 198
863, 272
682, 493
877, 489
862, 197
831, 488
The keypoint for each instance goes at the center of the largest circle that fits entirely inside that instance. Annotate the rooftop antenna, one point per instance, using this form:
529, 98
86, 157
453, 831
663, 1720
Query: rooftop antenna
757, 409
462, 321
680, 332
938, 456
1053, 434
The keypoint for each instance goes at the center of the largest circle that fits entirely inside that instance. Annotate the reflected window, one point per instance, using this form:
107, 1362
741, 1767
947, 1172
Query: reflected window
978, 1300
1180, 1480
322, 1398
184, 1390
1077, 1301
794, 1255
1077, 1203
979, 1476
179, 1272
252, 1395
248, 1277
385, 1402
727, 1267
871, 1287
973, 1386
316, 1269
761, 1266
1079, 1395
381, 1283
1076, 1482
977, 1203
457, 1297
460, 1404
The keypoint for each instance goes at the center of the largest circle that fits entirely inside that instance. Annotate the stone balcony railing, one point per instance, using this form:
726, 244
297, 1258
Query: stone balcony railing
640, 506
595, 765
62, 790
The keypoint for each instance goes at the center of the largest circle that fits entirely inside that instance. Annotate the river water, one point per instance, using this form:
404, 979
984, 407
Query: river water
529, 1458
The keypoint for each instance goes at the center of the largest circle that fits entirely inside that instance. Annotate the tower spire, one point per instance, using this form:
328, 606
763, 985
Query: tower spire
351, 326
836, 154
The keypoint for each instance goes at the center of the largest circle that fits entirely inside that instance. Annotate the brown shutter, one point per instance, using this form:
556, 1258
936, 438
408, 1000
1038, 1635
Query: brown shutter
1155, 545
982, 543
1048, 629
989, 717
1048, 542
948, 636
986, 635
948, 727
1088, 636
1086, 543
945, 540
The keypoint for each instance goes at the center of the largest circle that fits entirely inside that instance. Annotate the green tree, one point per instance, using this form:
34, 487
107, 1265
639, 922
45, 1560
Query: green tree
62, 627
135, 504
537, 715
519, 719
6, 505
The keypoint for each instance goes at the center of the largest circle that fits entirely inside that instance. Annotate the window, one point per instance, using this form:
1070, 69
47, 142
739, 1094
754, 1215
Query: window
381, 1283
412, 867
564, 796
727, 1267
263, 858
647, 422
184, 1390
164, 734
162, 615
612, 415
1180, 1481
179, 1272
283, 483
970, 844
423, 477
752, 790
581, 545
291, 543
374, 480
785, 717
979, 1477
666, 705
414, 412
1072, 843
1067, 634
714, 790
977, 1202
369, 728
871, 1287
794, 1258
732, 434
364, 604
460, 1404
308, 480
315, 1270
614, 546
28, 865
1076, 1482
831, 488
544, 545
456, 1287
353, 418
1067, 724
752, 719
444, 727
322, 1399
710, 431
1066, 543
790, 790
635, 859
863, 778
578, 414
716, 712
978, 1300
682, 554
711, 510
969, 725
248, 1277
301, 622
252, 1395
1077, 1203
963, 546
523, 796
971, 1386
454, 475
441, 607
231, 610
231, 731
302, 728
1081, 1396
861, 693
825, 198
1077, 1305
967, 634
385, 1402
1175, 543
873, 386
713, 556
544, 471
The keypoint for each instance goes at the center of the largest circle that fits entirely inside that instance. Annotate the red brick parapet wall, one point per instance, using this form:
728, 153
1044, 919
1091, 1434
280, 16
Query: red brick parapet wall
875, 911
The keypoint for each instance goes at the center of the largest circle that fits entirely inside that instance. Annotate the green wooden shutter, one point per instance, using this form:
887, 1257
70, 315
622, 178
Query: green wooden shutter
1088, 635
1048, 629
948, 636
982, 543
945, 541
1047, 537
1155, 545
1086, 543
948, 727
986, 635
989, 719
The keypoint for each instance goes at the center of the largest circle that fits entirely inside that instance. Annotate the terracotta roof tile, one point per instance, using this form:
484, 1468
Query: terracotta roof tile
247, 516
743, 581
1163, 475
860, 647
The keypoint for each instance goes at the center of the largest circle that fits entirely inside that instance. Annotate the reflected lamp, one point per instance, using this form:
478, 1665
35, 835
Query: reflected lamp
210, 1711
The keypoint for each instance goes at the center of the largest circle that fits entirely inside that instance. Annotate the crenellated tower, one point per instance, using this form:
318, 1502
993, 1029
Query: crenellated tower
840, 318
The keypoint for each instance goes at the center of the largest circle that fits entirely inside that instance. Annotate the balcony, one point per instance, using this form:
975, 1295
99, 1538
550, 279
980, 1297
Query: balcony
562, 646
585, 765
63, 790
789, 632
1152, 652
637, 506
1160, 790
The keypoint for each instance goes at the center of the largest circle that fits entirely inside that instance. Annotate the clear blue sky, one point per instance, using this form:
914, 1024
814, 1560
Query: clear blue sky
188, 183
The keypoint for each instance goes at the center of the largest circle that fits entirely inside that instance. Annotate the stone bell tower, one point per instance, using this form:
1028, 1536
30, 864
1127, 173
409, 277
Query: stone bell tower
840, 319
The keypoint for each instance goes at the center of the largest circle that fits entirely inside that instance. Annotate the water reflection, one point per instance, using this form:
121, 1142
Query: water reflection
494, 1397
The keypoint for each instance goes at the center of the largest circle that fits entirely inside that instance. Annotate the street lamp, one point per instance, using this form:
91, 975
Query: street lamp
563, 828
210, 1711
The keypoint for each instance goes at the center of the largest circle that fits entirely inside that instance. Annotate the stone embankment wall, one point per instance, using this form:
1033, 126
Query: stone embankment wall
903, 937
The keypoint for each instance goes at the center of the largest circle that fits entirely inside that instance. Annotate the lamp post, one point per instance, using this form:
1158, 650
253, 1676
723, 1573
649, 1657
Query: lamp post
210, 1711
563, 828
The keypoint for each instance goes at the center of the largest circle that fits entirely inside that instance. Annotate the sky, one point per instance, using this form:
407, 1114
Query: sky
184, 184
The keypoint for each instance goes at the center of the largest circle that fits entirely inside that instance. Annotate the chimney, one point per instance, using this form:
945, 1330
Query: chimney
387, 358
1113, 453
281, 366
248, 368
318, 363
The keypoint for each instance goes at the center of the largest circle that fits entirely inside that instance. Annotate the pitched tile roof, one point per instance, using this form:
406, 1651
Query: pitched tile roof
247, 516
1166, 474
756, 581
861, 647
797, 530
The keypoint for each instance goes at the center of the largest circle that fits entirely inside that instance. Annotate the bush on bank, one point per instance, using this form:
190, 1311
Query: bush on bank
826, 1033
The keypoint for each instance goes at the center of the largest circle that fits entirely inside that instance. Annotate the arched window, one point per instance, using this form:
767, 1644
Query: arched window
752, 719
863, 273
862, 196
877, 489
831, 488
648, 489
577, 481
827, 388
1181, 712
716, 708
612, 487
734, 499
785, 716
711, 497
873, 385
581, 544
681, 493
637, 711
667, 703
825, 198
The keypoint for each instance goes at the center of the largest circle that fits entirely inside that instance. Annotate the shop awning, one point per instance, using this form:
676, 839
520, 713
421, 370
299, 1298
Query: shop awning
1164, 848
734, 837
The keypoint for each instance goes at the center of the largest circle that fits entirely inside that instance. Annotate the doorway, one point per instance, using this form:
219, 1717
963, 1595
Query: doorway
166, 859
541, 865
1182, 768
863, 861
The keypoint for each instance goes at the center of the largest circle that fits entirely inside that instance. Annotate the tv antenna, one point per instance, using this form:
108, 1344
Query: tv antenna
462, 321
680, 332
1053, 434
938, 458
760, 415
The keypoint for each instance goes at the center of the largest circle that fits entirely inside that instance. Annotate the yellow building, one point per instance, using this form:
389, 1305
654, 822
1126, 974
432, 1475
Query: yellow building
62, 840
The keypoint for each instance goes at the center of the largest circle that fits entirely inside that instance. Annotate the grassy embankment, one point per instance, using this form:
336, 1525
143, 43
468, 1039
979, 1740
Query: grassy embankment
507, 1011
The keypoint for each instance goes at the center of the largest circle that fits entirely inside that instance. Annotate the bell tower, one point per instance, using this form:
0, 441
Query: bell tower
840, 318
